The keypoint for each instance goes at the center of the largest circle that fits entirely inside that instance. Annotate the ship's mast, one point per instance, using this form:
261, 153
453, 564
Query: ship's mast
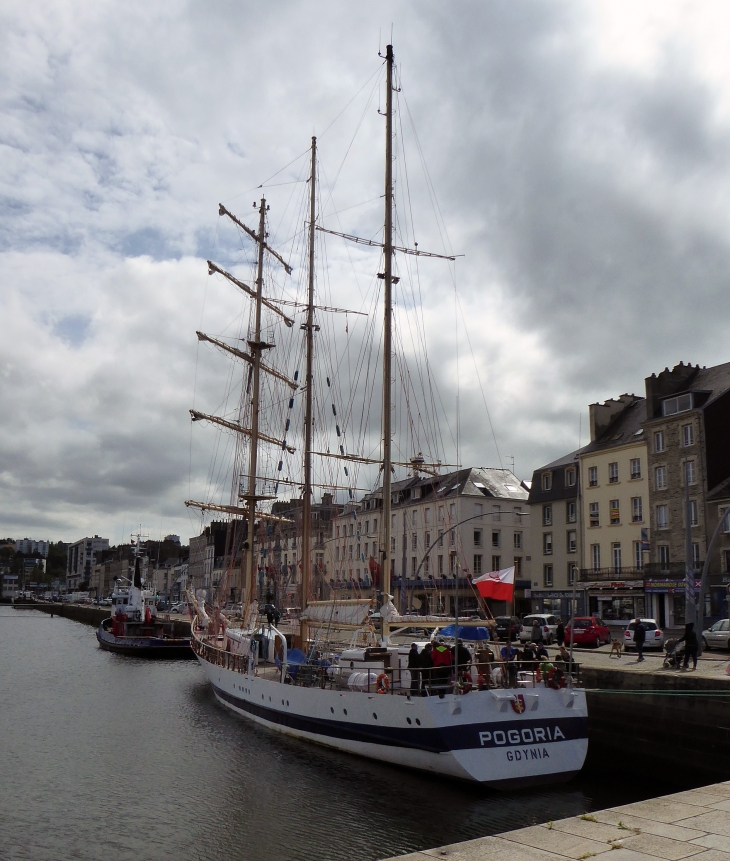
256, 347
387, 333
308, 386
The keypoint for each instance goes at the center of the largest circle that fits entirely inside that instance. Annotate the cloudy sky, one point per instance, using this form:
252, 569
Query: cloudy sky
579, 153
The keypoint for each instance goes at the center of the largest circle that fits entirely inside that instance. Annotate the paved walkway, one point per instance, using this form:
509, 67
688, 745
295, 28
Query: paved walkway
693, 824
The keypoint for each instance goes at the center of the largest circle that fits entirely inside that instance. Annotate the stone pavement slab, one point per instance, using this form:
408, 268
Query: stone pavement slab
688, 825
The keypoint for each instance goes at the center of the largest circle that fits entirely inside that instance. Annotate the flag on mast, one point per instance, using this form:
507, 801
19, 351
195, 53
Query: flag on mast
498, 585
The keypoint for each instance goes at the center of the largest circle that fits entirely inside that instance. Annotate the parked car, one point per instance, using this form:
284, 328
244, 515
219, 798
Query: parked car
718, 636
589, 631
654, 635
548, 627
182, 607
508, 628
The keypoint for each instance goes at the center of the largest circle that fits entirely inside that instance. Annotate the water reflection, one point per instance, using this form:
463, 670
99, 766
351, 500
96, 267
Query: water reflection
118, 757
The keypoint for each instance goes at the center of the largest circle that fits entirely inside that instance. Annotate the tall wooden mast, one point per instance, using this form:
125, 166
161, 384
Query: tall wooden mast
387, 332
308, 386
256, 347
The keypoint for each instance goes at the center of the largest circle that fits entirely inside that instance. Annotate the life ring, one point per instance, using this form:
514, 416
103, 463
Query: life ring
382, 684
464, 682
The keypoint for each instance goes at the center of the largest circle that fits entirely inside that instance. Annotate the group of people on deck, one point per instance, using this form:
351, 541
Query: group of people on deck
439, 668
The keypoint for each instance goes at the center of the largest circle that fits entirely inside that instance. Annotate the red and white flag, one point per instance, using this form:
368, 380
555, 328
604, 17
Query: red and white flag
499, 585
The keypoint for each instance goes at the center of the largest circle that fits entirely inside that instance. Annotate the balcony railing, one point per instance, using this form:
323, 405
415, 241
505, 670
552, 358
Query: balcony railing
675, 570
589, 574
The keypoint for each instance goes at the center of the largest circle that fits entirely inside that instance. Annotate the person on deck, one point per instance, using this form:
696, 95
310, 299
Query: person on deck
426, 665
442, 660
414, 664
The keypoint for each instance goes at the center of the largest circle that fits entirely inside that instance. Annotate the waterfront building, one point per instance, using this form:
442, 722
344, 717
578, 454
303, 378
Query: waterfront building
471, 521
614, 513
81, 559
688, 414
555, 537
206, 555
27, 546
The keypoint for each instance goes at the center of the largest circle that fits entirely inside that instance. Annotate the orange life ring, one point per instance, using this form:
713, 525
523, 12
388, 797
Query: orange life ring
464, 683
382, 683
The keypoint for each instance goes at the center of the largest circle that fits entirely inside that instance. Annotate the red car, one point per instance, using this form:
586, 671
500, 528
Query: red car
589, 630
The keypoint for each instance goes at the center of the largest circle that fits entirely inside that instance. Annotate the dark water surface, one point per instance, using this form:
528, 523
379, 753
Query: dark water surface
106, 757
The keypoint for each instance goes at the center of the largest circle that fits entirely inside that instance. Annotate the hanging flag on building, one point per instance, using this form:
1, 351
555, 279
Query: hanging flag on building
498, 585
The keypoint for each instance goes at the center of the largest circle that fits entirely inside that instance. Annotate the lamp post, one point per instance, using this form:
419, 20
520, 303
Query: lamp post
700, 609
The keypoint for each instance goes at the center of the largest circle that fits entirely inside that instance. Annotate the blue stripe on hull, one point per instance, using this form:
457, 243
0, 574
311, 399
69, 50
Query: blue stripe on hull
431, 740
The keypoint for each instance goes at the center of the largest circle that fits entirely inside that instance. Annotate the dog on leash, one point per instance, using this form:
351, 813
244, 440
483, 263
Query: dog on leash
616, 646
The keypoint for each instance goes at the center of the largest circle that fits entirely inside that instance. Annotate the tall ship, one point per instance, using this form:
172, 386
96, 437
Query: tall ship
344, 678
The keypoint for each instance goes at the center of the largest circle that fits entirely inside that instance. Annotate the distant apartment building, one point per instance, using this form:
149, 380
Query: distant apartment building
206, 555
444, 530
555, 538
28, 546
81, 558
615, 509
688, 416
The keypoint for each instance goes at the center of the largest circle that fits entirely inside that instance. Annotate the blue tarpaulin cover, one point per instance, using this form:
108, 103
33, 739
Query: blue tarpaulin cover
465, 633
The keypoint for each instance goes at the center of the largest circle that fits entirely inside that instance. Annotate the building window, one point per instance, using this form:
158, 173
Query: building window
593, 514
693, 513
517, 539
518, 567
659, 442
367, 527
441, 566
452, 510
414, 565
663, 557
496, 561
392, 521
696, 556
416, 493
547, 515
570, 477
547, 575
681, 404
572, 541
615, 512
478, 509
721, 513
495, 539
571, 573
414, 518
596, 556
660, 478
547, 481
662, 517
688, 435
414, 541
518, 514
616, 556
452, 565
478, 538
635, 467
638, 556
427, 540
392, 543
690, 474
613, 472
637, 514
496, 513
547, 543
426, 567
452, 537
570, 512
441, 539
593, 476
427, 516
477, 563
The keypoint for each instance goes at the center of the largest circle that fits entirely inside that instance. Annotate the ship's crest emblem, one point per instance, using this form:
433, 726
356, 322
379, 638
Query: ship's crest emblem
518, 703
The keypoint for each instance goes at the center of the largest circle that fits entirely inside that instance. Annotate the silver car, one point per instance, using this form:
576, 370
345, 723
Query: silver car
718, 636
548, 626
654, 635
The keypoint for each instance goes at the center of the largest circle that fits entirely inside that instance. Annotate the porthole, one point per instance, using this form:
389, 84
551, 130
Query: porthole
344, 710
332, 710
262, 696
418, 721
375, 717
408, 720
287, 702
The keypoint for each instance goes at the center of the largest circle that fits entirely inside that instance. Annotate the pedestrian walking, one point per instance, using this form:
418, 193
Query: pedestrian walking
414, 665
536, 633
690, 645
560, 633
639, 638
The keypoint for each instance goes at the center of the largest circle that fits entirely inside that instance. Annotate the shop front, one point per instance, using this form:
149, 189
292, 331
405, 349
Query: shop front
616, 600
665, 602
558, 603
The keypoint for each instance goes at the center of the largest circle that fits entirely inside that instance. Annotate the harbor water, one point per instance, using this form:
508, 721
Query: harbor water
120, 758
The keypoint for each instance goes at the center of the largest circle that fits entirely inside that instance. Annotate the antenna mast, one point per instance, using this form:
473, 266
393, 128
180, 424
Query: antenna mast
308, 385
387, 332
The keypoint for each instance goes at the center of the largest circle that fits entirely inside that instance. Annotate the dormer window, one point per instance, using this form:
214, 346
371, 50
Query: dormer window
547, 481
680, 404
570, 477
416, 493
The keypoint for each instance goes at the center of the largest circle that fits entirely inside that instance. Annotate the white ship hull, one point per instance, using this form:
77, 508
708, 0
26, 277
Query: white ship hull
501, 738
